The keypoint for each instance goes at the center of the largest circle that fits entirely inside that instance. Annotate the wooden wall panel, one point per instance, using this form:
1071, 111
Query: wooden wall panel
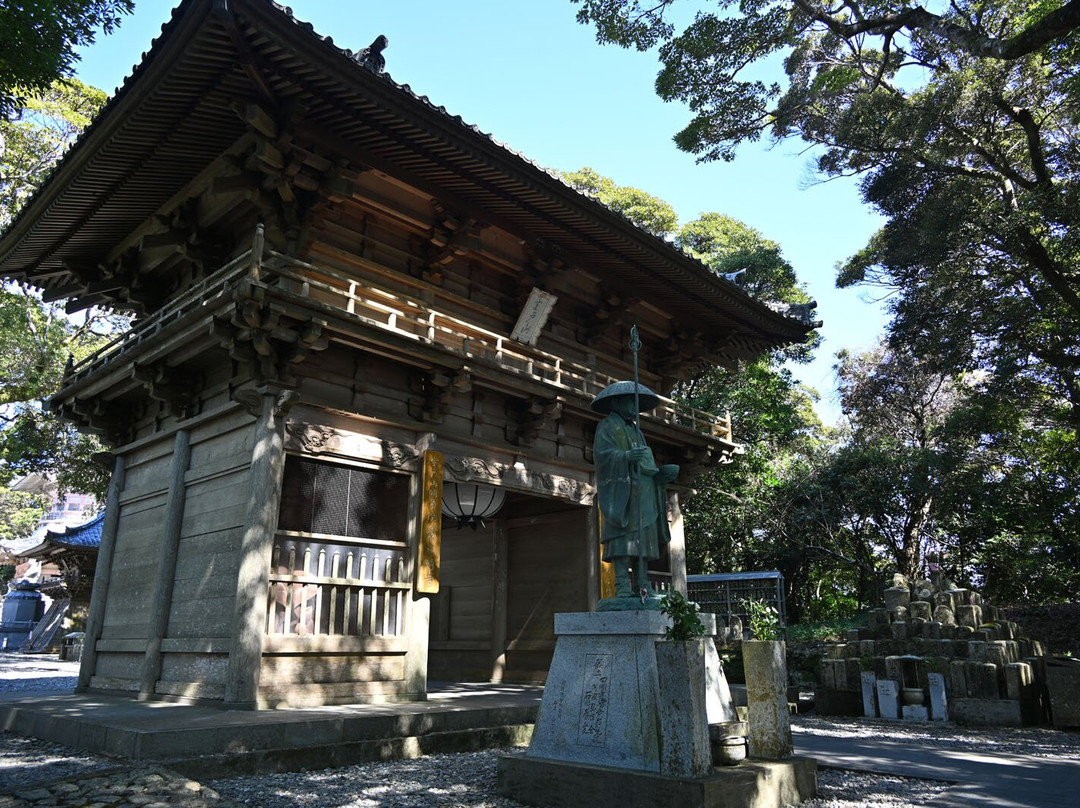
467, 572
546, 574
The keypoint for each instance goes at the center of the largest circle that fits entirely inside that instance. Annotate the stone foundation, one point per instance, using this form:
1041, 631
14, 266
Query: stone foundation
560, 784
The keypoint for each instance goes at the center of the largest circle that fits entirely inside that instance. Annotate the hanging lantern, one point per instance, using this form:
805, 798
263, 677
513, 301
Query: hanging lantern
470, 504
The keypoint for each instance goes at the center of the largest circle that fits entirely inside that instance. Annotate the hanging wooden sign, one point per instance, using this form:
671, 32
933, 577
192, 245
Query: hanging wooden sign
430, 550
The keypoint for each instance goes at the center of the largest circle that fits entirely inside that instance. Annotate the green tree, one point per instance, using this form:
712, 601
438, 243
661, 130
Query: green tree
1009, 516
38, 39
34, 138
962, 122
19, 514
898, 408
731, 521
643, 209
37, 338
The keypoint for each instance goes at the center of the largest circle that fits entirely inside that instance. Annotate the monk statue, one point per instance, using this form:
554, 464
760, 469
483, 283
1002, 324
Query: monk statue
632, 494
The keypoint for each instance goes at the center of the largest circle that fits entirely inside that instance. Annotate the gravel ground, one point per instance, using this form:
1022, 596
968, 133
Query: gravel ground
442, 781
27, 672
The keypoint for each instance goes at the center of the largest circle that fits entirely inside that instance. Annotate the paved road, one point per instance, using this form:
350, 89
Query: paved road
983, 779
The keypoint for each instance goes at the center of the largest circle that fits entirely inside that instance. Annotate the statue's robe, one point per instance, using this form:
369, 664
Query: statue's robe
628, 498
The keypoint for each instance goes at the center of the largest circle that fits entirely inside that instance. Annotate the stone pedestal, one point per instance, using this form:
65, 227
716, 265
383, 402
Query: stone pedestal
604, 703
626, 720
751, 784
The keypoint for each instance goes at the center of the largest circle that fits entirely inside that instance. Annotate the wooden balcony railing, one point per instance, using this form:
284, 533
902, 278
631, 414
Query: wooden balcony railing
387, 309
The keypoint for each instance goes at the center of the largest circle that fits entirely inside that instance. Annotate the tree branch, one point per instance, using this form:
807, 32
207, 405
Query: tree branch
1056, 24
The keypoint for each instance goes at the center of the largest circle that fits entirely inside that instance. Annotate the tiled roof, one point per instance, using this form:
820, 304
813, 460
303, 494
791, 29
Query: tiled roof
87, 534
157, 131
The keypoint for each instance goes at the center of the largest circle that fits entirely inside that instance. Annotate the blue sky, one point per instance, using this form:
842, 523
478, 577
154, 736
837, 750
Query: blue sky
528, 74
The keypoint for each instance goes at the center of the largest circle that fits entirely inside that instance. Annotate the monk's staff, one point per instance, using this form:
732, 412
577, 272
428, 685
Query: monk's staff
635, 346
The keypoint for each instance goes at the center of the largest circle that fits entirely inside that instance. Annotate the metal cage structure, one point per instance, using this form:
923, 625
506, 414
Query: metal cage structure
726, 594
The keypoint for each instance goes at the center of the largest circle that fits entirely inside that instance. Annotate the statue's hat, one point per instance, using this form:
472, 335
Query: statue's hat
647, 399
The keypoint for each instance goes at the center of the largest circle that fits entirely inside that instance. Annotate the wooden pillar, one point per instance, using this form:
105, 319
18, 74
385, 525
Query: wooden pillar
592, 556
161, 603
677, 547
499, 550
605, 569
270, 404
95, 617
425, 571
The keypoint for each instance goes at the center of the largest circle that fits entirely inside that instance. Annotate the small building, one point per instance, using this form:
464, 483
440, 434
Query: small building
347, 302
726, 594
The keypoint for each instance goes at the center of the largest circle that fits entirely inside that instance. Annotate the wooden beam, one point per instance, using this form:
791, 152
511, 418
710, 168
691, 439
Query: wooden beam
60, 292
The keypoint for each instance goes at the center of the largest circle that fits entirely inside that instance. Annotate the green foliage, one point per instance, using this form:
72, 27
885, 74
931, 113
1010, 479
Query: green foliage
740, 517
834, 630
961, 121
37, 338
645, 210
33, 139
19, 514
685, 617
7, 573
762, 620
38, 41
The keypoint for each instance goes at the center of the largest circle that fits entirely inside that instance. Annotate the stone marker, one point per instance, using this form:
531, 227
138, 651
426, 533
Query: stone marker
888, 703
897, 596
769, 726
939, 708
869, 693
969, 615
919, 609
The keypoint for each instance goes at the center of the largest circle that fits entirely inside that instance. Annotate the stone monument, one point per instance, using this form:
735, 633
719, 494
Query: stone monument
623, 721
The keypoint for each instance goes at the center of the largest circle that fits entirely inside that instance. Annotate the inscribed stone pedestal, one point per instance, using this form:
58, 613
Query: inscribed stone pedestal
603, 705
600, 702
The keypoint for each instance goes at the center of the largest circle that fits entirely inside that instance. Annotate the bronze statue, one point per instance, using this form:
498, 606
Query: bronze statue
632, 493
